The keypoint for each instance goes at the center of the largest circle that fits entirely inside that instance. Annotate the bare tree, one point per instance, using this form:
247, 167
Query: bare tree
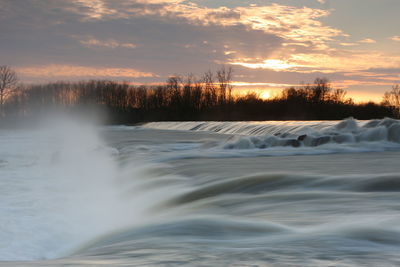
392, 98
338, 96
174, 89
321, 89
187, 90
210, 93
224, 77
8, 81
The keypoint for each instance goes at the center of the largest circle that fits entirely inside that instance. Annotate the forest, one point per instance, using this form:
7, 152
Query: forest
210, 97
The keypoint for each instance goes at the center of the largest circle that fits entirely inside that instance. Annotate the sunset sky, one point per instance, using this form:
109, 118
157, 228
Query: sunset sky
269, 44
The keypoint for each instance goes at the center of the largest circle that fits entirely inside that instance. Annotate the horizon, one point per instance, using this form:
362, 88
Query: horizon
271, 45
239, 89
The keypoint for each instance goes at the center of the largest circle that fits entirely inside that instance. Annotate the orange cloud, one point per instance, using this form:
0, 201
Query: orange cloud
273, 64
291, 23
347, 83
329, 62
395, 38
54, 71
94, 9
348, 44
262, 84
160, 1
109, 43
345, 61
367, 41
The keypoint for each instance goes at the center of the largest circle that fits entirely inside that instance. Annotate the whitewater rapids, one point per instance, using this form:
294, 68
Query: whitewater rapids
201, 194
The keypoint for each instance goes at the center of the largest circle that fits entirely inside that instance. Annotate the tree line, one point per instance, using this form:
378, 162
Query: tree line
209, 97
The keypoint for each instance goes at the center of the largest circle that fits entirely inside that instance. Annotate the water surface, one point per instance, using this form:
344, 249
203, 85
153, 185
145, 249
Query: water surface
201, 194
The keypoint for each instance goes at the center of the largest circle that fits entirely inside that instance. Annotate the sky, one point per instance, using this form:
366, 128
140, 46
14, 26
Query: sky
269, 44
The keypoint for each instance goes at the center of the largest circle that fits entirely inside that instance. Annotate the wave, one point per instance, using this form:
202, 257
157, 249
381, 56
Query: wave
291, 186
242, 128
227, 235
200, 227
349, 134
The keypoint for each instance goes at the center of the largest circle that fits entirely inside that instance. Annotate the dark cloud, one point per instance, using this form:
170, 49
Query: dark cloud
385, 70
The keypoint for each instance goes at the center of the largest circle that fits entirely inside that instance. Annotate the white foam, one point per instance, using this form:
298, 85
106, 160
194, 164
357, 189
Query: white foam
60, 187
278, 138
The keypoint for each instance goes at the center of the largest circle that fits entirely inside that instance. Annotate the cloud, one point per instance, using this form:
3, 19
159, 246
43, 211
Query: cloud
93, 9
91, 42
273, 64
296, 25
336, 61
262, 84
288, 22
160, 1
57, 71
395, 38
348, 44
367, 41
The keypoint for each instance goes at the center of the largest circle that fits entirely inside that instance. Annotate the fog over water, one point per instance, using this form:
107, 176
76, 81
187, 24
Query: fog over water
201, 194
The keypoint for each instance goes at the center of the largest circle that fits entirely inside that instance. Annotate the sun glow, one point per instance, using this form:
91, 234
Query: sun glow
265, 95
274, 64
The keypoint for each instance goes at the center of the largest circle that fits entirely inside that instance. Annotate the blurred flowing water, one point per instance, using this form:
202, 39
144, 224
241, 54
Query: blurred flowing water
201, 194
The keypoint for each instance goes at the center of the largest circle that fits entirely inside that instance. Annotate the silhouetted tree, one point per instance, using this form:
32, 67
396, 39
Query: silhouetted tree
174, 89
187, 91
189, 98
8, 81
392, 98
321, 89
210, 94
224, 77
338, 96
197, 95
